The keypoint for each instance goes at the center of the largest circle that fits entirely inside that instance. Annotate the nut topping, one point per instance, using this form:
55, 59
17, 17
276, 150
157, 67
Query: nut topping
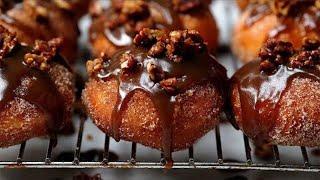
170, 85
97, 65
42, 53
276, 53
133, 15
156, 74
128, 63
7, 42
183, 44
177, 46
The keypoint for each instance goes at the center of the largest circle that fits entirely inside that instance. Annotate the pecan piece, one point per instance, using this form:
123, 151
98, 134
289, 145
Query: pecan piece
275, 53
183, 44
156, 74
169, 85
128, 63
42, 53
97, 65
305, 59
148, 37
7, 41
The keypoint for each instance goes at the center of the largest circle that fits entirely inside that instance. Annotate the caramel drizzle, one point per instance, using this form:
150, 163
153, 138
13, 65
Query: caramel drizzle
260, 94
120, 38
190, 71
40, 90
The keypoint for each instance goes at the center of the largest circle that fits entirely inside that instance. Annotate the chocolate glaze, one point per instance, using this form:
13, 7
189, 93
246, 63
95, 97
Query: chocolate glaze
17, 80
260, 94
197, 69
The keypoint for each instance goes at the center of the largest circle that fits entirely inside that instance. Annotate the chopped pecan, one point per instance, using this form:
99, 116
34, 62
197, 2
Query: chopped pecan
128, 63
184, 43
184, 6
275, 53
170, 85
97, 65
148, 37
134, 15
7, 42
157, 49
156, 74
42, 53
305, 59
308, 56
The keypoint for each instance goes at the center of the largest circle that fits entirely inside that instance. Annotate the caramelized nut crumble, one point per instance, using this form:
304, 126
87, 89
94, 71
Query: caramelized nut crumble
97, 65
184, 43
128, 63
170, 85
42, 53
156, 74
276, 53
7, 42
133, 15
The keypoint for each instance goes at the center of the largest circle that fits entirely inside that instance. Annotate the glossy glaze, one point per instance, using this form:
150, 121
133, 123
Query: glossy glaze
198, 69
260, 94
17, 80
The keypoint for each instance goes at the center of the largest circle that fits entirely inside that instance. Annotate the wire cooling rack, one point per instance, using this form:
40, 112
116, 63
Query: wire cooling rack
132, 162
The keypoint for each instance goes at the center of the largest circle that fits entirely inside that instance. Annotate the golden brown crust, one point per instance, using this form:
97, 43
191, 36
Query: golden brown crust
196, 112
21, 120
297, 122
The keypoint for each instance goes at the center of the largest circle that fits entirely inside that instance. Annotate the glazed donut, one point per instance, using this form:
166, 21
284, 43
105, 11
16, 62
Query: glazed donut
164, 92
276, 99
45, 20
287, 20
115, 27
37, 90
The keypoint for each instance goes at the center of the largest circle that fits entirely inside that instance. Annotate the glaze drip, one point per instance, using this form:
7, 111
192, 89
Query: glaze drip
17, 80
262, 83
178, 76
260, 94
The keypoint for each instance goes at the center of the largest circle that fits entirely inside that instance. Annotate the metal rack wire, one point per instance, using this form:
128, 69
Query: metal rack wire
132, 162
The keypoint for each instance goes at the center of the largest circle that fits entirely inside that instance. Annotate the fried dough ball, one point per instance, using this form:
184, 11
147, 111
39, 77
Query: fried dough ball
45, 20
37, 90
164, 92
114, 28
287, 20
277, 100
